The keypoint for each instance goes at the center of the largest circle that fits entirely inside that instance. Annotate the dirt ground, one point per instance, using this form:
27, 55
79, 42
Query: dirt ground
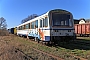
12, 50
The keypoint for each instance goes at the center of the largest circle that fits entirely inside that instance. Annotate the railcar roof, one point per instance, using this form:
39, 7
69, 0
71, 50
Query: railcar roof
39, 17
43, 15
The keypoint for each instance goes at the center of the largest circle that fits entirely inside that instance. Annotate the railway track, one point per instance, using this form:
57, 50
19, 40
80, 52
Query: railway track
58, 58
25, 55
30, 58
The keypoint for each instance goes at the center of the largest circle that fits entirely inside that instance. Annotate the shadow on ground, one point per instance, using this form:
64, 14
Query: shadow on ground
79, 43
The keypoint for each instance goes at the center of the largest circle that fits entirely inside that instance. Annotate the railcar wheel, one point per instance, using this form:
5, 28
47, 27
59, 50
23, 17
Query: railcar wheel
35, 39
38, 40
48, 43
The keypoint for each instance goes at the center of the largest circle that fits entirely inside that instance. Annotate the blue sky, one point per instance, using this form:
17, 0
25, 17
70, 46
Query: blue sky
16, 10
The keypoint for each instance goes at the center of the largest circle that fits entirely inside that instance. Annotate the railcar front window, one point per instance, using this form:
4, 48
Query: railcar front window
61, 19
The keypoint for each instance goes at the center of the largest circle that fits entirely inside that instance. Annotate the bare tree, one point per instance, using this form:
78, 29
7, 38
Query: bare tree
3, 27
3, 24
29, 18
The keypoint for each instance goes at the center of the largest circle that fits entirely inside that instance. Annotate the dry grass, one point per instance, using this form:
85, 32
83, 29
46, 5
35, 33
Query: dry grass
12, 49
8, 51
4, 32
18, 48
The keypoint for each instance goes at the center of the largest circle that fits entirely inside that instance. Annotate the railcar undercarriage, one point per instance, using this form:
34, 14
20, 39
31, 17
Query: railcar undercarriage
58, 39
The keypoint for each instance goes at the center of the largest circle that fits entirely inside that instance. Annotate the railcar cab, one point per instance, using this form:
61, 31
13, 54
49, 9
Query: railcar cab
62, 24
61, 18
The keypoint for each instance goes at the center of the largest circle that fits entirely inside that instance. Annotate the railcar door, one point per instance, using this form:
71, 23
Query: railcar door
41, 30
36, 28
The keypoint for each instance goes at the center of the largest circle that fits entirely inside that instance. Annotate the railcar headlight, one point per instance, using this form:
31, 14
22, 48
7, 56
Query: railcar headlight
69, 30
67, 34
55, 30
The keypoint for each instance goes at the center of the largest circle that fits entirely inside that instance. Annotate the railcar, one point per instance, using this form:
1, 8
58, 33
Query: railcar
13, 30
54, 25
82, 29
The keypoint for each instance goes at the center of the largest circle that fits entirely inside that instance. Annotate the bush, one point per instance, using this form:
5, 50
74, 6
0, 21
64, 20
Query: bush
4, 32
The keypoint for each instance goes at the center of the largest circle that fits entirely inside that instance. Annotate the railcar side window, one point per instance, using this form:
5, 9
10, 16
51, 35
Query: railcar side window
18, 28
32, 25
29, 25
36, 24
26, 26
41, 23
22, 27
46, 21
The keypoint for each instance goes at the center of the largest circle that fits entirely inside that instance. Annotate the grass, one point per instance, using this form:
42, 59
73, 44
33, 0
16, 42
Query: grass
85, 38
65, 51
4, 32
12, 49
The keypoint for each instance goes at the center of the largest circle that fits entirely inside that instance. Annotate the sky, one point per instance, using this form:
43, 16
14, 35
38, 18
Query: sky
16, 10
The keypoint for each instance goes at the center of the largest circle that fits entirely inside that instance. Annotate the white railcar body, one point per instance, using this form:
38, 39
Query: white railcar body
53, 24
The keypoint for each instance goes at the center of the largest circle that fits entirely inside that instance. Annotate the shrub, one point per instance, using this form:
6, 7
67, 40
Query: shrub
4, 32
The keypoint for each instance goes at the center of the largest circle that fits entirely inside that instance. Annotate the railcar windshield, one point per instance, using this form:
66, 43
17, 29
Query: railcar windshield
61, 19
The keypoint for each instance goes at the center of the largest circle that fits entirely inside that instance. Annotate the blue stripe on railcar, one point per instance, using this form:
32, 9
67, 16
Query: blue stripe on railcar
47, 38
33, 35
